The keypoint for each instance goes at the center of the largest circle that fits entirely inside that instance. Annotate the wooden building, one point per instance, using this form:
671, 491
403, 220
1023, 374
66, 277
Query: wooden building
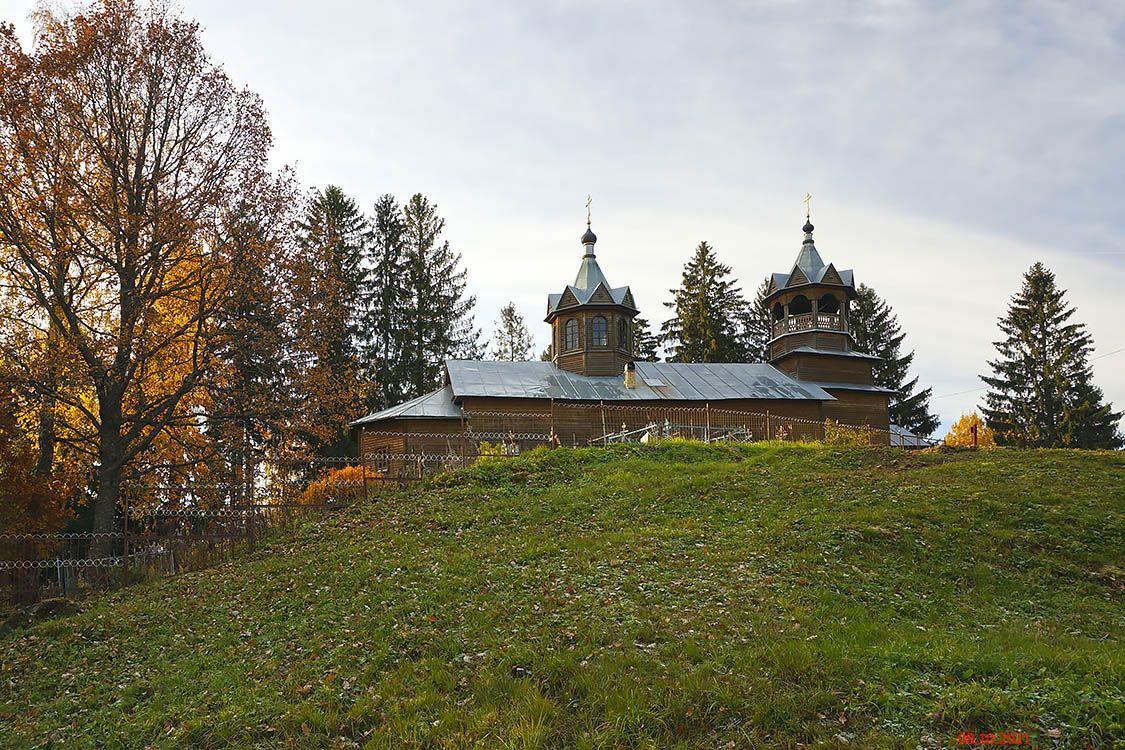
593, 387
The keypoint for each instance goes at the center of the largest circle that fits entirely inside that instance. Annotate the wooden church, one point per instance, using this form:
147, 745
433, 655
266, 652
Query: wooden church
813, 373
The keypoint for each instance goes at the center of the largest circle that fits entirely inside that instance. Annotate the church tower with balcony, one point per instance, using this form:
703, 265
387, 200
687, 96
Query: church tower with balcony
811, 339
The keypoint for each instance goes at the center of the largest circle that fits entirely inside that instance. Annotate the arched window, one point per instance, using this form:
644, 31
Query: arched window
828, 304
622, 333
800, 305
572, 334
778, 311
598, 331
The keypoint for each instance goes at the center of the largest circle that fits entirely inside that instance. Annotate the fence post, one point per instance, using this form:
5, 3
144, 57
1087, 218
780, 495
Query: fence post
251, 540
363, 464
464, 436
769, 432
707, 421
601, 403
125, 535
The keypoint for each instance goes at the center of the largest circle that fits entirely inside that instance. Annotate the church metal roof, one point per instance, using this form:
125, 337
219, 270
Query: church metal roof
810, 268
856, 387
829, 353
434, 405
656, 381
587, 283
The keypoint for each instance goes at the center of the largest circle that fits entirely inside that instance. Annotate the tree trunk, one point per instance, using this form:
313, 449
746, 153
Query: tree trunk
105, 509
45, 463
111, 461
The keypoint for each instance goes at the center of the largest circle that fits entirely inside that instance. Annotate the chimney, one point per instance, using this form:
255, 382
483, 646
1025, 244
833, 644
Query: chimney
630, 375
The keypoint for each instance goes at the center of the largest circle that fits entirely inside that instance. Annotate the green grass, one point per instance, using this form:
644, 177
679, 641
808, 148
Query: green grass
671, 596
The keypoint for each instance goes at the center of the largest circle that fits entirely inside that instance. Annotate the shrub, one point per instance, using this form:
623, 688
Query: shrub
341, 485
962, 433
842, 434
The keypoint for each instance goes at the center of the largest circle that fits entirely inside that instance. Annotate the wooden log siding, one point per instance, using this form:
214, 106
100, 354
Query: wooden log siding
523, 423
827, 369
531, 421
858, 408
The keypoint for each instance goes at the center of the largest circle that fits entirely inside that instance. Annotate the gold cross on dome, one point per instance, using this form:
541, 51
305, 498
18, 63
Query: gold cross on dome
808, 200
589, 200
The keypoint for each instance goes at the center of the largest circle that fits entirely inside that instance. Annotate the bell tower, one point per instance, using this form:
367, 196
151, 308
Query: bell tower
591, 322
809, 305
811, 338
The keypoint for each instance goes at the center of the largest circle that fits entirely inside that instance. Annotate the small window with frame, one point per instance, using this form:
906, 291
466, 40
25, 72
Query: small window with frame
571, 334
598, 329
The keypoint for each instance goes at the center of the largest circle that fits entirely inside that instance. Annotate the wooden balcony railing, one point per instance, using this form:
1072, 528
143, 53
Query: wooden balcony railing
808, 322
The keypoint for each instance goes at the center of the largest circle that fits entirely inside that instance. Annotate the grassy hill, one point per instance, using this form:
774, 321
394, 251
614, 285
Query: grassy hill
669, 596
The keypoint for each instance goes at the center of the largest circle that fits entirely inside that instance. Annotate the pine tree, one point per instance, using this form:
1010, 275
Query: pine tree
1041, 392
757, 326
876, 331
438, 319
646, 346
328, 284
512, 342
709, 309
386, 297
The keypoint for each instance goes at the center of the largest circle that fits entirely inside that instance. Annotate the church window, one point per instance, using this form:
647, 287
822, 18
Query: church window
622, 333
599, 331
572, 334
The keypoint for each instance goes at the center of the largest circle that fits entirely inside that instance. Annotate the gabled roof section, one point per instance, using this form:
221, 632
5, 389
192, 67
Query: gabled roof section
434, 405
590, 286
796, 276
656, 381
809, 268
600, 295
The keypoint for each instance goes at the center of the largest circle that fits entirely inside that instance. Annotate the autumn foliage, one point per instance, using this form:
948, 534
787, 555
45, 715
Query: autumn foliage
961, 434
341, 485
29, 502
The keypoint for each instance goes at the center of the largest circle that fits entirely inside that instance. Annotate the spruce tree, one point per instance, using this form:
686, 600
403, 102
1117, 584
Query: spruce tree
252, 398
757, 326
328, 284
709, 310
646, 346
1041, 393
512, 342
438, 319
386, 296
876, 331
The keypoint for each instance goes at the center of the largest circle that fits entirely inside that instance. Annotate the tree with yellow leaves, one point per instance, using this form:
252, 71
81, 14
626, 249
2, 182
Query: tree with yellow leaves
961, 434
121, 143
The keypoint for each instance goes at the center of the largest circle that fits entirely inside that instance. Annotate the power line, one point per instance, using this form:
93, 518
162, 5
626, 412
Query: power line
976, 390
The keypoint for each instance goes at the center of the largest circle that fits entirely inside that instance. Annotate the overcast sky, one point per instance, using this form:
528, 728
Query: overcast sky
947, 145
